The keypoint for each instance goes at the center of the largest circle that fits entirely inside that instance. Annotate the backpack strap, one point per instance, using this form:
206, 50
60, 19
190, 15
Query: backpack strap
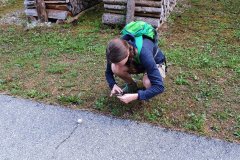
136, 42
139, 44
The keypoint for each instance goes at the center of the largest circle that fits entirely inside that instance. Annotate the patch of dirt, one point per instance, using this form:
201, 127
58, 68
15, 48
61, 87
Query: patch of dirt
15, 18
181, 6
19, 18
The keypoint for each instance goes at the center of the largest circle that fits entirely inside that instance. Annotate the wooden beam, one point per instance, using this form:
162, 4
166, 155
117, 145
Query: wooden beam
63, 7
55, 2
41, 11
115, 11
114, 7
155, 22
109, 18
130, 11
149, 3
148, 9
55, 14
115, 1
137, 3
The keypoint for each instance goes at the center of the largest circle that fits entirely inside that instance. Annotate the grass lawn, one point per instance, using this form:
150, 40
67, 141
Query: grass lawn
65, 64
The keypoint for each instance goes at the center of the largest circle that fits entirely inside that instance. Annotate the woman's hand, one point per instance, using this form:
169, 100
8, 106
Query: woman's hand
115, 90
126, 98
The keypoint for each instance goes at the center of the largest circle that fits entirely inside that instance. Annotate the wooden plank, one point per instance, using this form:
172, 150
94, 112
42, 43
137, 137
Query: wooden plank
137, 3
55, 14
115, 1
155, 22
148, 9
109, 18
115, 11
130, 11
41, 11
55, 2
148, 3
137, 8
63, 7
26, 3
114, 7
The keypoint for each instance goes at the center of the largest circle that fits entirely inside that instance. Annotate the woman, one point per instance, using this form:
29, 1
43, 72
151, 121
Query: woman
121, 57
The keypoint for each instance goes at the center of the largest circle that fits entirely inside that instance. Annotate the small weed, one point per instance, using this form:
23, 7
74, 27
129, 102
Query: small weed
56, 68
69, 85
237, 134
237, 122
162, 42
73, 74
15, 88
70, 99
152, 116
222, 116
116, 111
36, 66
2, 84
180, 80
237, 34
208, 90
215, 128
36, 94
100, 103
2, 81
196, 122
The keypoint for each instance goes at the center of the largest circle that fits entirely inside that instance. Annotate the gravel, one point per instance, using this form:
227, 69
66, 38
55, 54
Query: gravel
13, 18
18, 18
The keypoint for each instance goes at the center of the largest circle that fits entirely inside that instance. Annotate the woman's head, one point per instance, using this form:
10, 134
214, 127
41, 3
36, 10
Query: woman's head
117, 50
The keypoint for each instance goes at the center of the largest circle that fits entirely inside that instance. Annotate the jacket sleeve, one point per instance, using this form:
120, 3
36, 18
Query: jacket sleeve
157, 86
109, 76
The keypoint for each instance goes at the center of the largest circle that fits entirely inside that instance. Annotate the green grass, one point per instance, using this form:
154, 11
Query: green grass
65, 64
195, 122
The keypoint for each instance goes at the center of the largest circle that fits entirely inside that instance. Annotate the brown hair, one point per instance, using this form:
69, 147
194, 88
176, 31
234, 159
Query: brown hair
117, 50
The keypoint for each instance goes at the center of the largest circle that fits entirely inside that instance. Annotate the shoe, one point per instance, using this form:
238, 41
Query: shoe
130, 88
162, 70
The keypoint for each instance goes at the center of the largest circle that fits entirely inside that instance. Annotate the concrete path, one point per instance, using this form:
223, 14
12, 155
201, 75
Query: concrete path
36, 131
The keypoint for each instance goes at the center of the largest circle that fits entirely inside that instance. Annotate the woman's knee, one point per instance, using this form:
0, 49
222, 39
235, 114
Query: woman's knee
146, 81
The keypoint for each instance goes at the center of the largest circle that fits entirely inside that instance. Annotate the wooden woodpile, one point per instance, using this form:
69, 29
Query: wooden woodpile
121, 12
56, 9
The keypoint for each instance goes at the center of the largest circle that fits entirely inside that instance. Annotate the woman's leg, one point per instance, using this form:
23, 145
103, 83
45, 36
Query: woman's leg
146, 81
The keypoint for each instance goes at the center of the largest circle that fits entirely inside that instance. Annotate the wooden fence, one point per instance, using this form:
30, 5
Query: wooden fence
121, 12
56, 9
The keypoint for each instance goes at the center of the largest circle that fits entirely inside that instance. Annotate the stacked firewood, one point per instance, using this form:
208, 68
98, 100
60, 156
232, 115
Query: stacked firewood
56, 9
121, 12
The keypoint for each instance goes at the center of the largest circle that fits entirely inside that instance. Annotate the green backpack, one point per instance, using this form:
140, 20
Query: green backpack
138, 29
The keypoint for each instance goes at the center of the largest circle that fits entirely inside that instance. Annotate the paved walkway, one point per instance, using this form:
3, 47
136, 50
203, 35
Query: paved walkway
36, 131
